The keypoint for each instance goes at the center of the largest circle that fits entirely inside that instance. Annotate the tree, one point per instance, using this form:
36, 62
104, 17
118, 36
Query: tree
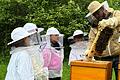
65, 15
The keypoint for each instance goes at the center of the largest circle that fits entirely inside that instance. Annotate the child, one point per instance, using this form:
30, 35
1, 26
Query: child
20, 65
40, 72
52, 54
78, 47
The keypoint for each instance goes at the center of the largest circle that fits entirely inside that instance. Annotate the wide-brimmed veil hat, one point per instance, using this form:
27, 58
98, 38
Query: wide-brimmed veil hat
31, 28
18, 34
95, 5
52, 31
77, 32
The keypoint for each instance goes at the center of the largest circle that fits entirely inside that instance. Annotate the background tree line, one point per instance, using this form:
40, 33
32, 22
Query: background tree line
65, 15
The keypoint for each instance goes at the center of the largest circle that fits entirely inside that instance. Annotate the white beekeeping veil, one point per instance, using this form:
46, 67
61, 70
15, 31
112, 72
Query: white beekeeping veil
32, 28
54, 42
53, 31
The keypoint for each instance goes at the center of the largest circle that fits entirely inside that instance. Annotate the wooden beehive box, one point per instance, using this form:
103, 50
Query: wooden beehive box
97, 70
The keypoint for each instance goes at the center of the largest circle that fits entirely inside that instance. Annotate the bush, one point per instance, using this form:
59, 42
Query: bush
65, 15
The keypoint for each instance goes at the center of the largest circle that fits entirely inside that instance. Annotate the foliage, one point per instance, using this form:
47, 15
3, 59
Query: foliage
65, 15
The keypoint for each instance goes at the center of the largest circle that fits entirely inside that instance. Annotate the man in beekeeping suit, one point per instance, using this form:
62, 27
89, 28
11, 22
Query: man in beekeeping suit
100, 16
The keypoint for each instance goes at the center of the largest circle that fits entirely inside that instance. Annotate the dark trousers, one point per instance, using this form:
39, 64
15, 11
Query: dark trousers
57, 78
115, 62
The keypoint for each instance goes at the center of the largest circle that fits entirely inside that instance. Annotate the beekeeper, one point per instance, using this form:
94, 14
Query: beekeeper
100, 16
40, 72
78, 48
20, 64
53, 53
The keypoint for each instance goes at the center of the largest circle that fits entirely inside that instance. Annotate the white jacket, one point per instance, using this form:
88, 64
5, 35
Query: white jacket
53, 59
20, 65
40, 72
77, 51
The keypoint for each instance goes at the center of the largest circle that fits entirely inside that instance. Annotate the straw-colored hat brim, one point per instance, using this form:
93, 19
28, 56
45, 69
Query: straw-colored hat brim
90, 13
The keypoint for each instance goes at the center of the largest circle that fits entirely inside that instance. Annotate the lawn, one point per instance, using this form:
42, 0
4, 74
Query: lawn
66, 72
2, 71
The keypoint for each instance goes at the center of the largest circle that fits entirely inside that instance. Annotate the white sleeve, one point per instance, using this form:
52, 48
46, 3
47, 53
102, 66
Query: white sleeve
72, 56
24, 67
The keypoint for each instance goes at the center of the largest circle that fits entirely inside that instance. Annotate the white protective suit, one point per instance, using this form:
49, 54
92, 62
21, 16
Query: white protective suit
20, 65
53, 53
77, 51
40, 72
53, 59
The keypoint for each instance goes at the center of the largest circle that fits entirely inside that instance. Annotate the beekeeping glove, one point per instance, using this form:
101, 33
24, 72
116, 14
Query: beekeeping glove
111, 22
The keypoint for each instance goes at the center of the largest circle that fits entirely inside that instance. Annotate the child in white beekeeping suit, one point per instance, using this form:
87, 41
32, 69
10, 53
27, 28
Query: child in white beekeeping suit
20, 64
78, 47
40, 72
53, 53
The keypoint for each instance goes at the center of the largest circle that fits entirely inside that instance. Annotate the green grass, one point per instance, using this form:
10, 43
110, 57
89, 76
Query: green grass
2, 71
66, 72
113, 75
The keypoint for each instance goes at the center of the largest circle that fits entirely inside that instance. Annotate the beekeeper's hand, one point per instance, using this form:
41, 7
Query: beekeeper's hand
87, 52
102, 24
111, 23
87, 55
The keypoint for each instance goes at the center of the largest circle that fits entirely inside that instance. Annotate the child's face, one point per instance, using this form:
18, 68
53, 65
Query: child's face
27, 41
78, 38
54, 38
